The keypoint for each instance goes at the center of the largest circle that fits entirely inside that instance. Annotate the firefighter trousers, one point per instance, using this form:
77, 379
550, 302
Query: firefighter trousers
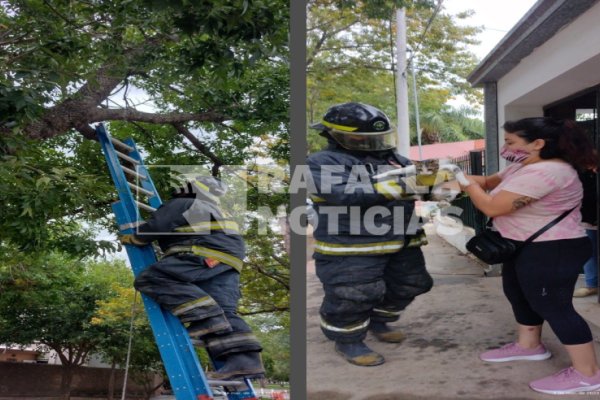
360, 289
204, 297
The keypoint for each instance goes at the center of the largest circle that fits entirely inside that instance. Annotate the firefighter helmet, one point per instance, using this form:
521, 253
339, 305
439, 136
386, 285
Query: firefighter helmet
206, 187
357, 126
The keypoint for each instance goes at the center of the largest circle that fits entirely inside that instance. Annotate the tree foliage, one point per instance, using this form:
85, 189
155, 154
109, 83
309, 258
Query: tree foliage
121, 318
217, 81
63, 60
51, 300
192, 82
273, 333
351, 57
45, 195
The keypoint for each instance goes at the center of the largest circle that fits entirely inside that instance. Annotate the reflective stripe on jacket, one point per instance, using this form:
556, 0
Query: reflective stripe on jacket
346, 190
190, 223
208, 253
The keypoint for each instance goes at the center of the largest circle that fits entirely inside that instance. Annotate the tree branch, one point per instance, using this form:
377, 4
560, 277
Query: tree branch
273, 276
326, 35
86, 131
56, 12
82, 107
130, 114
266, 311
279, 260
315, 50
217, 162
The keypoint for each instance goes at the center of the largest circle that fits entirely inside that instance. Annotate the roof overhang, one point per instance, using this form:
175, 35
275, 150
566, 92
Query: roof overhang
541, 22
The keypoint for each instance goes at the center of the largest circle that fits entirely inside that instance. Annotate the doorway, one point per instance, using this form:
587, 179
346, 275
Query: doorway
582, 107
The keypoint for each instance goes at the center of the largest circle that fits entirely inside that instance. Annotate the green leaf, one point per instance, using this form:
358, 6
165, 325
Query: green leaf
43, 181
27, 211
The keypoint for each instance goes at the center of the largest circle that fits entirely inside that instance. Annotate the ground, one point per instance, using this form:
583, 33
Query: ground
464, 314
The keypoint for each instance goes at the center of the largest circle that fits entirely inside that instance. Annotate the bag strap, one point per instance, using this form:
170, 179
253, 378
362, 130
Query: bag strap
548, 226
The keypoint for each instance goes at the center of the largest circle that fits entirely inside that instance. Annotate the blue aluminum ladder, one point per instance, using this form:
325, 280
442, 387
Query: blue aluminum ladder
186, 377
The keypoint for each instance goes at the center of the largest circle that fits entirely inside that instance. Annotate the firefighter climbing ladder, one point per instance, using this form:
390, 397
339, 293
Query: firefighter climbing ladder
186, 377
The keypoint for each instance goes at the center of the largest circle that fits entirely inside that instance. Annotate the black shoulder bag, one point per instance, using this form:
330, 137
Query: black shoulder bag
490, 247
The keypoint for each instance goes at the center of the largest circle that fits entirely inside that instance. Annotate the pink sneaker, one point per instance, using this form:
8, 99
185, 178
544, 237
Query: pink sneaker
567, 381
513, 352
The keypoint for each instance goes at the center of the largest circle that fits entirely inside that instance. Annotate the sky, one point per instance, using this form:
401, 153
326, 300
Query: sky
496, 16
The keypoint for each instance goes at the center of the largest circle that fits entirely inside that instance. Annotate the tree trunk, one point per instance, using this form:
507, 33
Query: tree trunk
65, 382
152, 391
111, 381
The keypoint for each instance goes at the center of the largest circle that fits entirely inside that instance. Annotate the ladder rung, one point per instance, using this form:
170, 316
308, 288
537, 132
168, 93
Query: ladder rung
127, 158
145, 206
131, 225
122, 145
132, 172
140, 189
226, 383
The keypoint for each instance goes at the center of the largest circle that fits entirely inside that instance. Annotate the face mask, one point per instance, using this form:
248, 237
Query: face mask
513, 155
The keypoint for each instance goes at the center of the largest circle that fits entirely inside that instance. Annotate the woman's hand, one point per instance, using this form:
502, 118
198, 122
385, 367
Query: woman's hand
470, 181
458, 174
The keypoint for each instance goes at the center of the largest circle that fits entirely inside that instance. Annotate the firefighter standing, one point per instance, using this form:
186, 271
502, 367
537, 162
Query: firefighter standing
198, 277
369, 276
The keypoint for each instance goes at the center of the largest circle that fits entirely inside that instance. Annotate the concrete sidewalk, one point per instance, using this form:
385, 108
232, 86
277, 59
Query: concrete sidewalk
464, 314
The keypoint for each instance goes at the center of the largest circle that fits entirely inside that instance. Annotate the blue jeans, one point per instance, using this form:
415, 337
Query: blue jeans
591, 266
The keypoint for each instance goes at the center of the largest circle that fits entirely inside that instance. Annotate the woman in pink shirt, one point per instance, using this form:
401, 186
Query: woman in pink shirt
539, 185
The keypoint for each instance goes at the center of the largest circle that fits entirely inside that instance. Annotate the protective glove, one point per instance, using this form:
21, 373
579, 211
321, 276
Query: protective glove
428, 173
409, 170
131, 239
422, 178
434, 179
444, 194
400, 188
458, 174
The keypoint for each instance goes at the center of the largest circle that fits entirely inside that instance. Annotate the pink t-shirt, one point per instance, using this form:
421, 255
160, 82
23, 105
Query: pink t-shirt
556, 186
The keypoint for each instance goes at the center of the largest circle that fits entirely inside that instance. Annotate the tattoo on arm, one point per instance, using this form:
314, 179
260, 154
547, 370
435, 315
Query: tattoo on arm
522, 202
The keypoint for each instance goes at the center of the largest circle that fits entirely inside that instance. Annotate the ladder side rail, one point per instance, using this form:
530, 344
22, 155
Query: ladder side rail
247, 394
183, 366
177, 351
175, 329
147, 184
116, 171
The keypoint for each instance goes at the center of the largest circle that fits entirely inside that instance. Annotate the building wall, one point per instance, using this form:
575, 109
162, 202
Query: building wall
13, 355
43, 380
567, 63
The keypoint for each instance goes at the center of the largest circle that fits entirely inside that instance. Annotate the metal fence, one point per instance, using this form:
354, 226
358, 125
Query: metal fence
472, 164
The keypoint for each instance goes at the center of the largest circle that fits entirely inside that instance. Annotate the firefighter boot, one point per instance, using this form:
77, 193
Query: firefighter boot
241, 365
384, 333
358, 353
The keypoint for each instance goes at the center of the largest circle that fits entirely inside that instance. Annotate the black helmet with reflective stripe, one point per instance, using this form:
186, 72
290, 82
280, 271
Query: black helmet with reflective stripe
203, 187
357, 126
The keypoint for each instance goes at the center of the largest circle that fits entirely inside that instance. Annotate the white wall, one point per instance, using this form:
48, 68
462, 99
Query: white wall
566, 64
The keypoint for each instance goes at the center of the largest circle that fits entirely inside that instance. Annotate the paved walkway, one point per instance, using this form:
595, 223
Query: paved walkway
447, 328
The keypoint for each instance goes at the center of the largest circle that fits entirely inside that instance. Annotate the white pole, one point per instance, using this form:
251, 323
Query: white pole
416, 100
124, 392
402, 86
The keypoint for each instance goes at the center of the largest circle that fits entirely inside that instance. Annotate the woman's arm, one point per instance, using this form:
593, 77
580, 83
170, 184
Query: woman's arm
500, 204
485, 182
